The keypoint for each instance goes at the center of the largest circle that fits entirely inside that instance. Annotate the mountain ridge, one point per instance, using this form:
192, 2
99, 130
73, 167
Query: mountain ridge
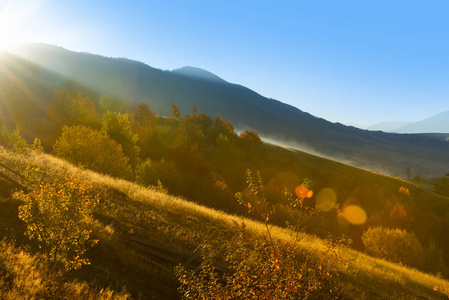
246, 109
388, 126
438, 123
198, 73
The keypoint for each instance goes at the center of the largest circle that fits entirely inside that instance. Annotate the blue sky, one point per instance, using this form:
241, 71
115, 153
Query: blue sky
353, 62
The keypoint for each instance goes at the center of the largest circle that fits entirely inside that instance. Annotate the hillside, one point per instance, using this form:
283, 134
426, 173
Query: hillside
126, 207
203, 161
136, 82
136, 230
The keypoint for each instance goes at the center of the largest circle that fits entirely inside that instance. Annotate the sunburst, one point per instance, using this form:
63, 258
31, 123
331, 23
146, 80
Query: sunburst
14, 15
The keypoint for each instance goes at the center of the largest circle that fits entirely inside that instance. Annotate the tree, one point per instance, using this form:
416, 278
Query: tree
224, 127
143, 117
16, 99
13, 140
94, 150
401, 216
59, 217
118, 127
250, 137
109, 102
72, 108
194, 110
144, 123
174, 112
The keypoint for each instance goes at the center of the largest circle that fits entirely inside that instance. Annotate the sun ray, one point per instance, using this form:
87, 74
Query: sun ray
14, 15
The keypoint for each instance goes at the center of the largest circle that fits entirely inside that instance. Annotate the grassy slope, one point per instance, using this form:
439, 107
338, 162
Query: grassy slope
347, 181
185, 225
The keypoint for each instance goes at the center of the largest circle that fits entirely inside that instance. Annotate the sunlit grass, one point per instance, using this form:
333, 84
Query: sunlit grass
24, 276
184, 225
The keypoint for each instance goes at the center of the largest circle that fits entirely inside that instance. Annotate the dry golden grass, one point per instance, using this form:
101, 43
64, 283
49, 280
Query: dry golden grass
24, 276
177, 222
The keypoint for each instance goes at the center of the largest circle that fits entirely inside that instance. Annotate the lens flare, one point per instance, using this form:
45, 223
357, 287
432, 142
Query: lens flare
354, 214
326, 199
303, 192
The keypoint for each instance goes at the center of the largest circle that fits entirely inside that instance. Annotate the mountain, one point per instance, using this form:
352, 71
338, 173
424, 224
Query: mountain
387, 126
435, 124
438, 123
137, 82
197, 73
40, 82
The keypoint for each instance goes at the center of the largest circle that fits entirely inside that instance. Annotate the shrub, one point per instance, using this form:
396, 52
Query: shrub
255, 270
395, 245
25, 276
94, 150
59, 217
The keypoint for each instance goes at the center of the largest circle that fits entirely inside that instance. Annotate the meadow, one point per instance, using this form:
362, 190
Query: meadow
185, 225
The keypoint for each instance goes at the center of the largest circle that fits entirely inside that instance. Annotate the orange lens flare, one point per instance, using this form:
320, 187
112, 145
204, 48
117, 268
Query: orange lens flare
303, 192
354, 214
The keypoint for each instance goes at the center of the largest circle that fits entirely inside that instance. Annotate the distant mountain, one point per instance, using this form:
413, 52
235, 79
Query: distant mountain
387, 126
197, 73
435, 124
438, 123
137, 82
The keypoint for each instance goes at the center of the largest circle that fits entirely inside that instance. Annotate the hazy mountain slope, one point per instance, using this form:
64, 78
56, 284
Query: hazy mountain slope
197, 73
387, 126
137, 82
438, 123
39, 81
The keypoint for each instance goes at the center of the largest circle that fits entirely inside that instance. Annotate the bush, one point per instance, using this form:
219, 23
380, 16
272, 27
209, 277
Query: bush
93, 150
59, 217
395, 245
258, 269
24, 276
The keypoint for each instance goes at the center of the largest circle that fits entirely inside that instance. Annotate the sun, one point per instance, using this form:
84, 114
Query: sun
14, 21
